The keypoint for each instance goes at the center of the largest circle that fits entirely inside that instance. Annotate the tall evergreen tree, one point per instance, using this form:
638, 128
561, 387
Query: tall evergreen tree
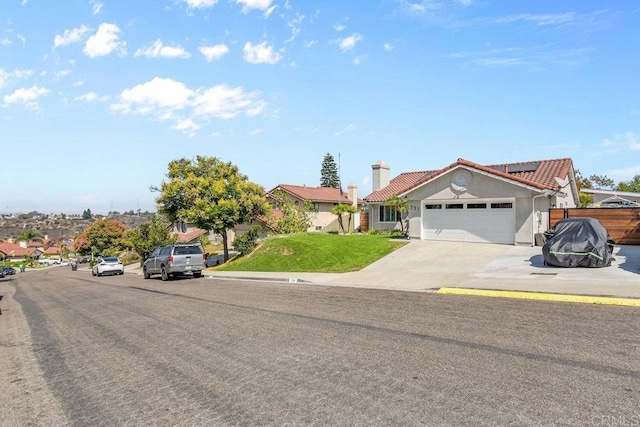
329, 173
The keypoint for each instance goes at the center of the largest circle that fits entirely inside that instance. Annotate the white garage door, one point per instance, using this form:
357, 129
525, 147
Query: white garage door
486, 221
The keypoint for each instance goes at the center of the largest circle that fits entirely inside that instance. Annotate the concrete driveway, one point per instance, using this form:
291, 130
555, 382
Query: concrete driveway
431, 265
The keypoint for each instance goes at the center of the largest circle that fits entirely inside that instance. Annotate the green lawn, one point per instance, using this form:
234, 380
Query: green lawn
315, 252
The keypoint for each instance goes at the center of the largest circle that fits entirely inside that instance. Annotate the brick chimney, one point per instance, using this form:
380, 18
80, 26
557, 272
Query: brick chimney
380, 175
353, 194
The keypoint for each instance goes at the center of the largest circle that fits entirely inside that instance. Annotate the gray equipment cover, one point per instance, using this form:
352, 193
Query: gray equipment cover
578, 242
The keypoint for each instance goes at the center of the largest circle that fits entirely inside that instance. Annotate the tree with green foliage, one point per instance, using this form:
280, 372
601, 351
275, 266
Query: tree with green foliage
106, 237
148, 236
340, 210
329, 173
31, 235
211, 194
87, 214
246, 243
294, 218
631, 186
601, 182
401, 205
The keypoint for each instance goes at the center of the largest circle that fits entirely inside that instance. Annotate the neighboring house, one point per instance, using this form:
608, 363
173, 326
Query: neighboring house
189, 233
465, 201
322, 199
612, 199
13, 251
53, 251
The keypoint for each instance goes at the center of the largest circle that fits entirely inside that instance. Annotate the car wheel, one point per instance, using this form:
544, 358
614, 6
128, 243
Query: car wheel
145, 273
164, 274
93, 273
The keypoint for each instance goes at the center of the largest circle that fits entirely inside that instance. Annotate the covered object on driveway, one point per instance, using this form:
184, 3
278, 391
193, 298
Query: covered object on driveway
578, 242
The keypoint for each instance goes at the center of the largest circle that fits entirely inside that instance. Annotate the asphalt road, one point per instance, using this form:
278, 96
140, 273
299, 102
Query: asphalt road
121, 350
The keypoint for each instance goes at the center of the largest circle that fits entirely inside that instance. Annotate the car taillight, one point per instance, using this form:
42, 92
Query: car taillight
204, 257
170, 259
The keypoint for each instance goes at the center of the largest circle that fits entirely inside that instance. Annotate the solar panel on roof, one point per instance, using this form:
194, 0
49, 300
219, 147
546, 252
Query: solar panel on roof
524, 167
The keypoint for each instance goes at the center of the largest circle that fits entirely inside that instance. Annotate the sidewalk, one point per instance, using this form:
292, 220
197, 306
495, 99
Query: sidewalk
423, 266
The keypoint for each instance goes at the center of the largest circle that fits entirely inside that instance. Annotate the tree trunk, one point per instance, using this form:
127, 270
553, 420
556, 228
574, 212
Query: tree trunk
225, 244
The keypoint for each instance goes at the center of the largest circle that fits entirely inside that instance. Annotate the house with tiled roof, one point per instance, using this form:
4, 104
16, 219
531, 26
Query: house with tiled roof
464, 201
14, 251
322, 199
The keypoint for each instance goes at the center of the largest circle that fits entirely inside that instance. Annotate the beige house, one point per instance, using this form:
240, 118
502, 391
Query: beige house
322, 199
465, 201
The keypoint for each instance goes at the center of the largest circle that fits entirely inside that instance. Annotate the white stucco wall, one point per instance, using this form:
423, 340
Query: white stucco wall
480, 187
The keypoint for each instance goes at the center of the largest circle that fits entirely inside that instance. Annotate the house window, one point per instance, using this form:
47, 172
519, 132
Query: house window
476, 206
454, 206
501, 205
316, 207
438, 206
388, 214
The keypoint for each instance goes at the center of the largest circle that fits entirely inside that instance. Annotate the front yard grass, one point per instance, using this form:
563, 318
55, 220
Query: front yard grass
315, 252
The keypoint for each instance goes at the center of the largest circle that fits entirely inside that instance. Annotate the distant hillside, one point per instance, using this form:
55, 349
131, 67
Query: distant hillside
59, 228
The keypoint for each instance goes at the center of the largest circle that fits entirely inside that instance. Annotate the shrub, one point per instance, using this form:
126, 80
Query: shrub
246, 243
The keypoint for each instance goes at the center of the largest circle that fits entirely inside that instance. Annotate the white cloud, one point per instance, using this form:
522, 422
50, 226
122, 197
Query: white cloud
28, 97
260, 54
625, 173
540, 20
310, 43
96, 7
215, 52
159, 93
247, 5
225, 102
22, 38
388, 47
200, 4
622, 141
349, 128
295, 25
256, 132
5, 42
70, 36
167, 99
187, 126
105, 41
4, 76
358, 59
18, 74
91, 97
23, 3
62, 73
339, 27
158, 50
348, 43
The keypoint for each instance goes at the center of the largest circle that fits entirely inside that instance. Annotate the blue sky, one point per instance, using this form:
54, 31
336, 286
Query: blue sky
97, 97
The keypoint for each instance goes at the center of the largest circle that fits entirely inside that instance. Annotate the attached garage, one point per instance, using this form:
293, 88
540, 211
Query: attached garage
467, 202
477, 220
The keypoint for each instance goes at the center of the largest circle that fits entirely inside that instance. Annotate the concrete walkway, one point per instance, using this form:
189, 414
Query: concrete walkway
427, 266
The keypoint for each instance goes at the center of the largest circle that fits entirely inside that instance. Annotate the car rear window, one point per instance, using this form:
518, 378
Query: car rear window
187, 250
110, 259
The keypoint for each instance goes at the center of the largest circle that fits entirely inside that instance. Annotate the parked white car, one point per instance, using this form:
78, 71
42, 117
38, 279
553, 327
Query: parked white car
107, 265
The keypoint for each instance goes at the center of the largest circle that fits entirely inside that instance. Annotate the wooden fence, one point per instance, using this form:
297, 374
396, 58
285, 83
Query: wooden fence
623, 224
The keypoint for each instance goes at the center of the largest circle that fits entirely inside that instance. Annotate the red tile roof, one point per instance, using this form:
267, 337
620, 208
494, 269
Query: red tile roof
315, 194
11, 249
189, 236
52, 250
543, 177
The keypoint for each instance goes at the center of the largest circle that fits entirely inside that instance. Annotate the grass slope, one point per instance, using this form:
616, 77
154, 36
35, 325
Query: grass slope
315, 252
